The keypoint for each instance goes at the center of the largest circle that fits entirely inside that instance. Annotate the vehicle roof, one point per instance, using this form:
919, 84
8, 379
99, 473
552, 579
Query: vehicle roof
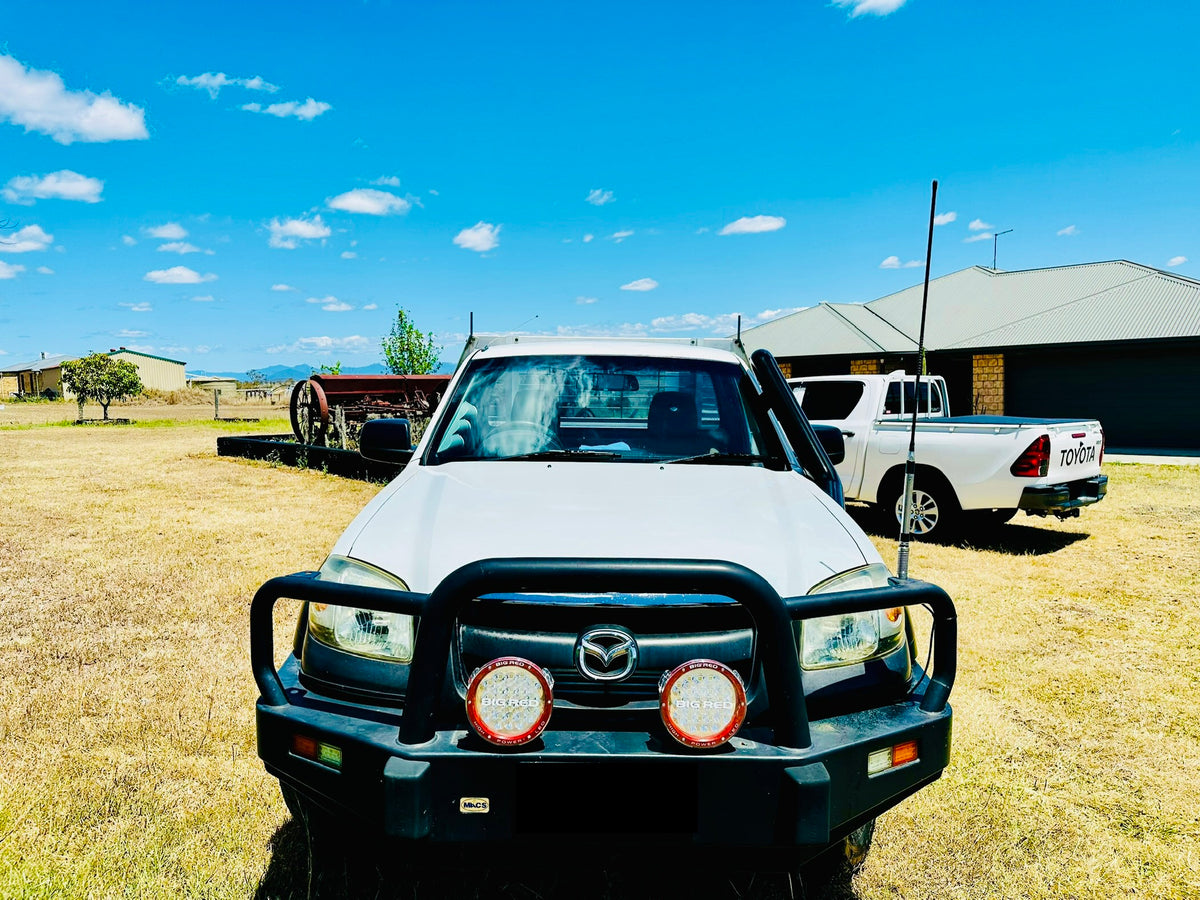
714, 350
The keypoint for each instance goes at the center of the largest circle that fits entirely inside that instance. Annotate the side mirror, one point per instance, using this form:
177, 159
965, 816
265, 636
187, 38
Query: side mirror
386, 440
831, 439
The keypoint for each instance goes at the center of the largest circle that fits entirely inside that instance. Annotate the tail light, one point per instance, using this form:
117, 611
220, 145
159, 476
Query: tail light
1035, 461
703, 703
509, 701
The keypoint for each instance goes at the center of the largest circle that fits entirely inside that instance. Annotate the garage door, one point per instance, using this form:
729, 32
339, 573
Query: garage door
1141, 397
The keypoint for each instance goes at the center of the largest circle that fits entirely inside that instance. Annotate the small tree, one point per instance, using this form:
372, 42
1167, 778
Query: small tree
335, 369
101, 378
406, 350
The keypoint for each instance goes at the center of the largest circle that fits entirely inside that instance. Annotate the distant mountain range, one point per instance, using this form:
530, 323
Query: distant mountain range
296, 373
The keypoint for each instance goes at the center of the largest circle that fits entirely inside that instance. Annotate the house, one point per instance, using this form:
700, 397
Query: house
43, 376
1115, 341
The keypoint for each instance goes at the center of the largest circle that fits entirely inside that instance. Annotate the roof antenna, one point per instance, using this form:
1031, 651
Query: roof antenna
910, 465
472, 334
739, 337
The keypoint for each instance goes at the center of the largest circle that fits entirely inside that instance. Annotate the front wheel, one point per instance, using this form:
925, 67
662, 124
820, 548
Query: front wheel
843, 860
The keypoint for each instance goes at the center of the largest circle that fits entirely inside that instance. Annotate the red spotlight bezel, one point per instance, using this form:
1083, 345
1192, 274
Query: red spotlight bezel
538, 727
735, 722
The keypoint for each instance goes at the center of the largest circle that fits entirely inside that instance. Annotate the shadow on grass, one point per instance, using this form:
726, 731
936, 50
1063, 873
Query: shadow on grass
1014, 539
390, 873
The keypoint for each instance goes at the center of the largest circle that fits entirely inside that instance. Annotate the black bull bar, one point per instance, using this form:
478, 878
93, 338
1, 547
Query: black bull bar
437, 611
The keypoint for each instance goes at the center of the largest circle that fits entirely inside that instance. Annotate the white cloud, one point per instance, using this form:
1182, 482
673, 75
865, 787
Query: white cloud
204, 298
598, 197
349, 254
694, 322
480, 237
282, 287
985, 236
306, 111
181, 247
41, 102
369, 201
172, 231
61, 185
127, 333
127, 240
619, 236
214, 81
586, 301
371, 306
893, 262
754, 225
353, 342
642, 284
9, 271
178, 275
1176, 260
390, 181
45, 270
588, 238
945, 218
288, 233
26, 240
980, 225
137, 307
1068, 231
870, 7
330, 303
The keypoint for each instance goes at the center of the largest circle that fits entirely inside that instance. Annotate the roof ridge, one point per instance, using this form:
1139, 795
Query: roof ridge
865, 336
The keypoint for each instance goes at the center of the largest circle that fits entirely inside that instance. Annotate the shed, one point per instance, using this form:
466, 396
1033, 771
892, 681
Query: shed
157, 372
1115, 341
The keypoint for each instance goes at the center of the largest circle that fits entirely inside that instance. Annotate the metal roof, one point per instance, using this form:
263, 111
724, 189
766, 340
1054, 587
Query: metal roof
38, 365
980, 308
120, 350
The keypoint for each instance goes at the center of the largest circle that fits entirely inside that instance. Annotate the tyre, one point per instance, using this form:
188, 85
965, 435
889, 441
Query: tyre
936, 513
840, 863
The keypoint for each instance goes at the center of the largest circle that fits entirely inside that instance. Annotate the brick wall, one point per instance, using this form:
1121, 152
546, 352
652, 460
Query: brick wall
864, 367
987, 370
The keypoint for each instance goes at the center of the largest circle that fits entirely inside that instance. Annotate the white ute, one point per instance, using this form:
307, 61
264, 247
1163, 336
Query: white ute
971, 470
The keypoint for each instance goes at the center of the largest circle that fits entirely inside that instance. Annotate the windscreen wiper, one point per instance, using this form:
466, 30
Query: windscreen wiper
716, 456
573, 455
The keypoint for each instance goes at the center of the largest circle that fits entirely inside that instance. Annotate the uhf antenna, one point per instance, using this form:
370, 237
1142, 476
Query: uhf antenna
910, 465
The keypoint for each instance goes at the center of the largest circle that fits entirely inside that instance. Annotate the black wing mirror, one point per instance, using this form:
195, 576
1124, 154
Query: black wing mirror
386, 440
831, 439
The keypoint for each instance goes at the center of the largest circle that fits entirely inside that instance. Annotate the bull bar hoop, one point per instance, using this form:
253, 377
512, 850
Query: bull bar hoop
437, 611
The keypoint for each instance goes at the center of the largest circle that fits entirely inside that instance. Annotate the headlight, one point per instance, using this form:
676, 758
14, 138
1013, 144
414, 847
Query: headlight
852, 637
365, 632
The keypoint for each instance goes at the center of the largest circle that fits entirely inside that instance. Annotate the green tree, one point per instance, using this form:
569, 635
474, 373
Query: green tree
101, 378
335, 369
406, 350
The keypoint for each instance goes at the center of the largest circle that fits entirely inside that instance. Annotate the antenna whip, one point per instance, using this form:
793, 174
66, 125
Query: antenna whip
910, 465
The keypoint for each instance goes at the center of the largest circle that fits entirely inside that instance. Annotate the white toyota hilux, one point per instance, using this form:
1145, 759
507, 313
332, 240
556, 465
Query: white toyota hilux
610, 569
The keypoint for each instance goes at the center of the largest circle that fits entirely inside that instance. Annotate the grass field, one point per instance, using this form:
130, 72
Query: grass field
128, 557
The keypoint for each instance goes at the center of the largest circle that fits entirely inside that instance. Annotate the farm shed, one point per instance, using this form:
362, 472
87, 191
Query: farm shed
1115, 341
34, 378
157, 372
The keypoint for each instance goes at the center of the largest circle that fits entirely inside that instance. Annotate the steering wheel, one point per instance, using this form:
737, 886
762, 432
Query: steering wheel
515, 438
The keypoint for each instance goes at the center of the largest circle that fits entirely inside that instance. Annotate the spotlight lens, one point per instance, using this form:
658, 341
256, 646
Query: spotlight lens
509, 701
703, 703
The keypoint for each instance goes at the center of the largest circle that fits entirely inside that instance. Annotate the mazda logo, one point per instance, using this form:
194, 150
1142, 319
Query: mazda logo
606, 654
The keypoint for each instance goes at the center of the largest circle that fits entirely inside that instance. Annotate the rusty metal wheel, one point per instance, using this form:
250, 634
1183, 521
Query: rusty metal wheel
309, 412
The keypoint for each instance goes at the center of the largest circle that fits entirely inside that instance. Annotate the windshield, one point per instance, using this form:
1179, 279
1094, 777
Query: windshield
604, 409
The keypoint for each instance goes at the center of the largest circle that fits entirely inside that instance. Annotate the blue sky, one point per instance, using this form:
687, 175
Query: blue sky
238, 185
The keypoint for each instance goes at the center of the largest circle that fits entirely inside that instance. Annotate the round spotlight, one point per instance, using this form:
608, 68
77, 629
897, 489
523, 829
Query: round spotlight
703, 703
509, 701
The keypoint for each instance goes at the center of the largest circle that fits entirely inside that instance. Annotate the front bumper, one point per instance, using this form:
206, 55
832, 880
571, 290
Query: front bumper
788, 788
1056, 498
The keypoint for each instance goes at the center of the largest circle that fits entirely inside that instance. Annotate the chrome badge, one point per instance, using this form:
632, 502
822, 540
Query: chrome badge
606, 654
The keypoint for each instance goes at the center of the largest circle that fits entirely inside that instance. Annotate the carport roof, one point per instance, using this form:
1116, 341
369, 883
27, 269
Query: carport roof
38, 365
980, 308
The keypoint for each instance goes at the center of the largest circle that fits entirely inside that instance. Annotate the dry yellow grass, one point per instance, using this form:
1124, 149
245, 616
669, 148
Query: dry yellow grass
128, 557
